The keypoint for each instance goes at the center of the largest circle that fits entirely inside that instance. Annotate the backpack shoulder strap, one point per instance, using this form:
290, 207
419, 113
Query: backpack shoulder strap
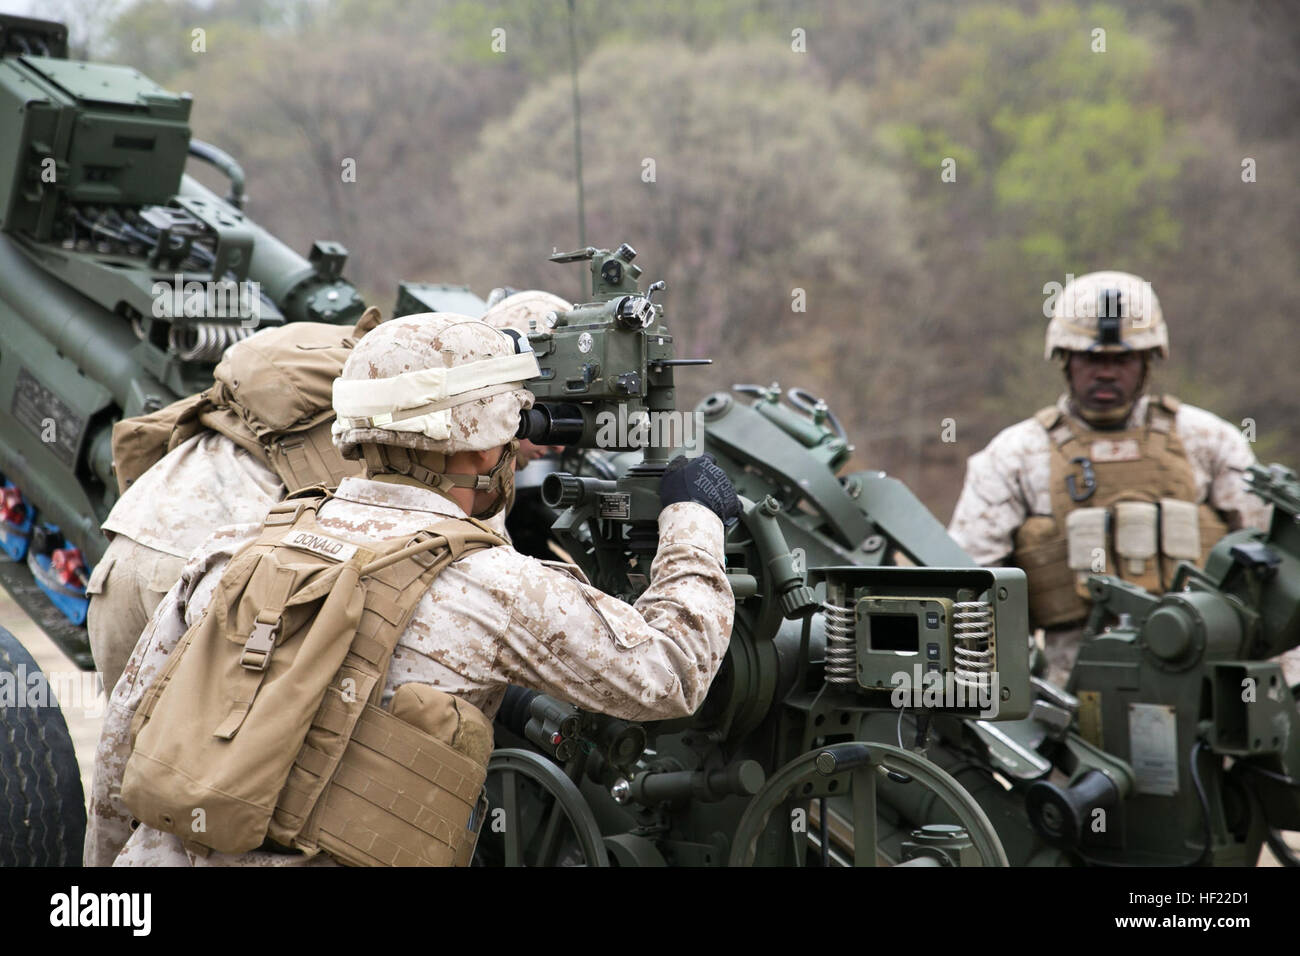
290, 509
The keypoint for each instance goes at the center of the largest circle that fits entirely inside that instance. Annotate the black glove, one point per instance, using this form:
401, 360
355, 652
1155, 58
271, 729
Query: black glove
702, 481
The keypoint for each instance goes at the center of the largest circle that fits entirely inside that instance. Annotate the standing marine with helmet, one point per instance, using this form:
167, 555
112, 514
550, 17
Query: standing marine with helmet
442, 616
217, 458
1111, 479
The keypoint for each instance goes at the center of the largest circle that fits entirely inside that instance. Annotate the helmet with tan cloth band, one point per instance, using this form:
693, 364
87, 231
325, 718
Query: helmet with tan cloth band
423, 387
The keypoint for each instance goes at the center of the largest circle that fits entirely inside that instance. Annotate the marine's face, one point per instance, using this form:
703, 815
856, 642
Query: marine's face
1105, 381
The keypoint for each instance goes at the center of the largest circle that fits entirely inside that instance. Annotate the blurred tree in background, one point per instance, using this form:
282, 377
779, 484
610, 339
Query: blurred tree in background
793, 145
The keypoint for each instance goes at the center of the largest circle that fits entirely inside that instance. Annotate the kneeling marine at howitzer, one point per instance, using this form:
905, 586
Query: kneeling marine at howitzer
224, 456
443, 615
1111, 479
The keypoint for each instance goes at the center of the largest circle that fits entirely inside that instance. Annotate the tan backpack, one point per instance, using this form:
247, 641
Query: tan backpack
271, 395
266, 725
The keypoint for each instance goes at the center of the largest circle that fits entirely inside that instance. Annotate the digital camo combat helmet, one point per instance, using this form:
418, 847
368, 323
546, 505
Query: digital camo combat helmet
516, 310
423, 387
433, 382
1107, 312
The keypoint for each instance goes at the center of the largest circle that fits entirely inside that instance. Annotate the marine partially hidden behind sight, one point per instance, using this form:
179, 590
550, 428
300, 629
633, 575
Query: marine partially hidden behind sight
1110, 479
359, 643
524, 312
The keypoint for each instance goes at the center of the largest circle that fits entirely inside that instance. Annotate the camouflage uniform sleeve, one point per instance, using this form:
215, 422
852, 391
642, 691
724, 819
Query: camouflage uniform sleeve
649, 662
1229, 494
990, 507
108, 827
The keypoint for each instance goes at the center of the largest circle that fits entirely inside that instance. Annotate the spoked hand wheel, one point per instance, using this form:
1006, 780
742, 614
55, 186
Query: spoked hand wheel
537, 816
848, 772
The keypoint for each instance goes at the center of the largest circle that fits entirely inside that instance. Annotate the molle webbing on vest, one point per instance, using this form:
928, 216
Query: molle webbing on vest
275, 729
307, 458
366, 787
1100, 469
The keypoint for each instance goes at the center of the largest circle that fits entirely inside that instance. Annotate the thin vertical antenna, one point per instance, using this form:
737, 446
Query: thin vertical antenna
577, 126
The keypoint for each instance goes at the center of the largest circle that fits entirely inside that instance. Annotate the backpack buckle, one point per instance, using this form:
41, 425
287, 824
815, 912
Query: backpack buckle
258, 647
285, 512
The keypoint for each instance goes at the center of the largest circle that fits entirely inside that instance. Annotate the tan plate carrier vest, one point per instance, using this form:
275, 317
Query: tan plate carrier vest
1141, 519
266, 724
271, 396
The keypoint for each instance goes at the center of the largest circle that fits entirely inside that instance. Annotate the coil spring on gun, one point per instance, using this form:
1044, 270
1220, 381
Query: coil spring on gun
973, 643
205, 341
841, 645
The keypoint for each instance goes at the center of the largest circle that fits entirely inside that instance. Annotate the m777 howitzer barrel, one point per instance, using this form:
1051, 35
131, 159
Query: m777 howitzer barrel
304, 289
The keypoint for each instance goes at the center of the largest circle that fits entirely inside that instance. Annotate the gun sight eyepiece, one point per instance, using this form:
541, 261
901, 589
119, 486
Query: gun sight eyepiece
547, 424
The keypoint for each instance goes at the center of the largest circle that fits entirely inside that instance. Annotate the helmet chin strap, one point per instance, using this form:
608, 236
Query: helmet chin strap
427, 469
502, 478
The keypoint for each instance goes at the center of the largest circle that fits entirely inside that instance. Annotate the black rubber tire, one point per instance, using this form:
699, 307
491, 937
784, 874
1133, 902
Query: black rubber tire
42, 807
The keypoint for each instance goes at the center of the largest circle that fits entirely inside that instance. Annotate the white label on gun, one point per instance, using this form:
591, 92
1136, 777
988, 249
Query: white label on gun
614, 505
1153, 748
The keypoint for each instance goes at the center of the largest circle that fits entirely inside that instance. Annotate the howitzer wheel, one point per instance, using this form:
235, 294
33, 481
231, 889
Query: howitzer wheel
807, 775
537, 816
42, 813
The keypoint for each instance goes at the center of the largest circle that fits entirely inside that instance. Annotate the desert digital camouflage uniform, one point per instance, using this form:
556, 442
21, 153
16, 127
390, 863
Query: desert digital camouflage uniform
492, 618
1007, 481
202, 484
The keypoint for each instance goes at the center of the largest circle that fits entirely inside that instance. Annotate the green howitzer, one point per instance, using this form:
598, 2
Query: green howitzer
1177, 736
122, 282
775, 767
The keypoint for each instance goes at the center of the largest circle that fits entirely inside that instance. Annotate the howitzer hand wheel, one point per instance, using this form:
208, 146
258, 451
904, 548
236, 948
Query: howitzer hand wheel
536, 816
850, 770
